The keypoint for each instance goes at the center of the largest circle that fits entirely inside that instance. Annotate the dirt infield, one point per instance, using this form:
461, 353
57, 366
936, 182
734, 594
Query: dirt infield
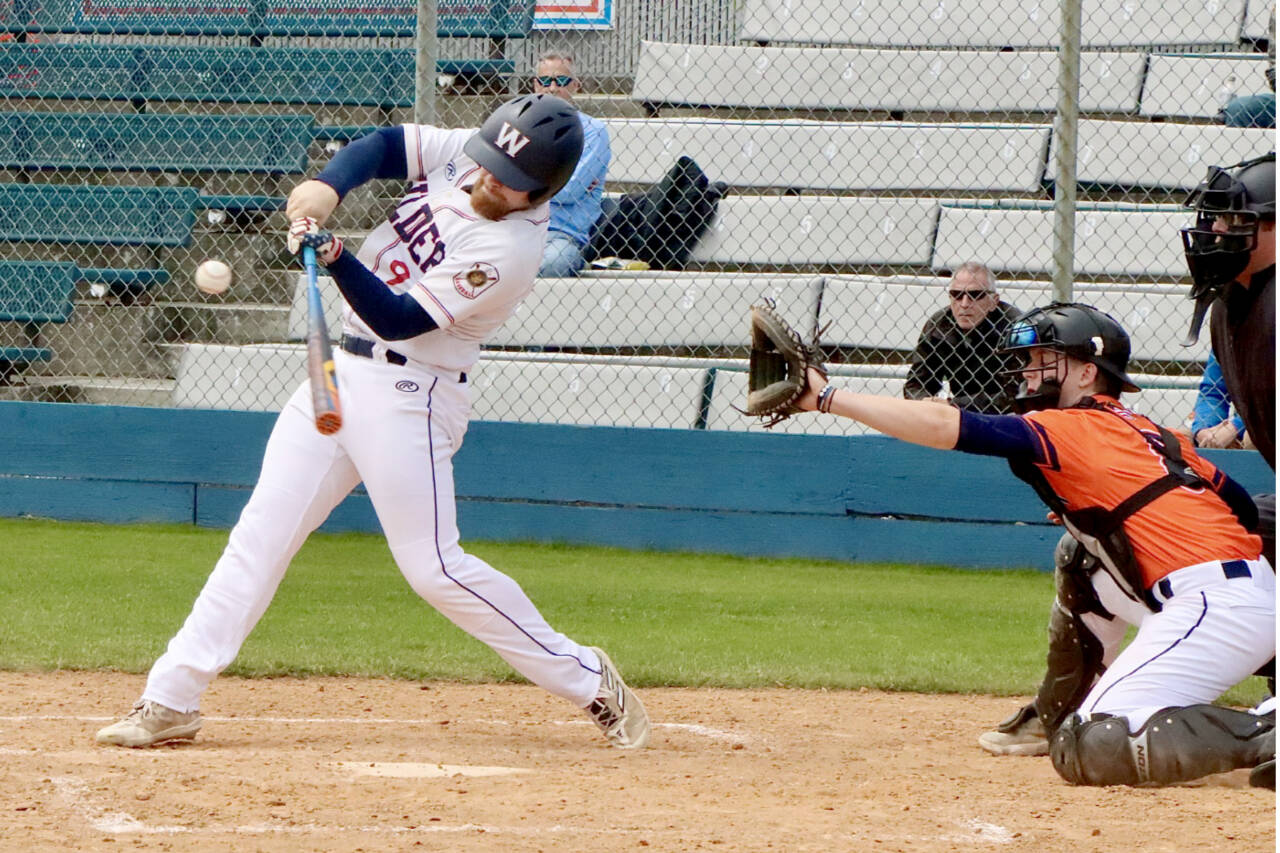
354, 764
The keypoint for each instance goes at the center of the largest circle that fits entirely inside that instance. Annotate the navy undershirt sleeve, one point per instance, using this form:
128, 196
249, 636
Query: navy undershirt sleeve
392, 316
996, 435
1235, 497
377, 155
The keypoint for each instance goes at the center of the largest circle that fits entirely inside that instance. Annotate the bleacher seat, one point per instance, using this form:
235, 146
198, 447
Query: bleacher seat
144, 216
253, 378
1256, 19
33, 293
833, 155
1139, 241
834, 78
988, 23
652, 311
155, 141
622, 392
618, 392
227, 74
1198, 85
888, 313
782, 230
1172, 155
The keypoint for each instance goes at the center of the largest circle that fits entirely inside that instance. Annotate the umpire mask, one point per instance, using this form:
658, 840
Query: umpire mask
1229, 203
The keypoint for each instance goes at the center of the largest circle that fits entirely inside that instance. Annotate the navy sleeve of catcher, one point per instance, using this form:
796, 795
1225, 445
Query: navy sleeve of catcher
996, 435
392, 316
1235, 497
377, 155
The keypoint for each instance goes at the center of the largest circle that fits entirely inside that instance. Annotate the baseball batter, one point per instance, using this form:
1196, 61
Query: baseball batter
448, 267
1175, 547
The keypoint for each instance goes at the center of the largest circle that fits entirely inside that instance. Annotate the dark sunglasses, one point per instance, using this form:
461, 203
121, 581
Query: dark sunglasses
971, 295
558, 80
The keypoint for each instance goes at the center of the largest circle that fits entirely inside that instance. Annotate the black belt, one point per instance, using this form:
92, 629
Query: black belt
363, 347
1231, 569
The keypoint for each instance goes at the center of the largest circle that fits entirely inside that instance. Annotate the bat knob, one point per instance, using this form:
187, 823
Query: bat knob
329, 423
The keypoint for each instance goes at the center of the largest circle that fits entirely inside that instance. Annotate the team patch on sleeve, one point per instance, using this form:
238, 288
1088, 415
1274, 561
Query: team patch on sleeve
471, 281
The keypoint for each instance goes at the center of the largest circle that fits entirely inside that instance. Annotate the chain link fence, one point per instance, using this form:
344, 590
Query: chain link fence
883, 169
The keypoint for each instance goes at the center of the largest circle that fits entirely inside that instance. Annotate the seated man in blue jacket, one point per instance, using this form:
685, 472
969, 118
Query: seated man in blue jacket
576, 207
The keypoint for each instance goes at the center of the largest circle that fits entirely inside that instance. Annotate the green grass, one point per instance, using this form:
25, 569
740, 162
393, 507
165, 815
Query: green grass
86, 596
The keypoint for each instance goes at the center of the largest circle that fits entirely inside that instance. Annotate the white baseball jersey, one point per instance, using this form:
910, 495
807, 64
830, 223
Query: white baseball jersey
467, 272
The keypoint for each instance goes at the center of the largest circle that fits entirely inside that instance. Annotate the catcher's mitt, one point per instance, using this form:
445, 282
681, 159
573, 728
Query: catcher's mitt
778, 373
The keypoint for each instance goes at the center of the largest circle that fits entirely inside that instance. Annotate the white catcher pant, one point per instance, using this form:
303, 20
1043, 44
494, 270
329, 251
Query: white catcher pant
401, 427
1211, 633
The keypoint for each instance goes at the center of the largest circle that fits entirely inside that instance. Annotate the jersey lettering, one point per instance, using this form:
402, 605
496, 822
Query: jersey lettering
416, 227
511, 139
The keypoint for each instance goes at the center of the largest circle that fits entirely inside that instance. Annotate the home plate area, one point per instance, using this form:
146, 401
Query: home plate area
344, 764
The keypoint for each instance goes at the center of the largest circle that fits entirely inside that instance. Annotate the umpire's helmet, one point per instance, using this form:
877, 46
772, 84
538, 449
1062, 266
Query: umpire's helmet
530, 143
1074, 329
1243, 195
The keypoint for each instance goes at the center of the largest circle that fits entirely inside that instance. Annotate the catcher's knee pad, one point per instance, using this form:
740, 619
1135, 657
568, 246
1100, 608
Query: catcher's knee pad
1175, 745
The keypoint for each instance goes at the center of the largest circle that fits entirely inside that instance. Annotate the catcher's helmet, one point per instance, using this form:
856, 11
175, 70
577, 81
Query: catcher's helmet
1242, 195
530, 143
1071, 328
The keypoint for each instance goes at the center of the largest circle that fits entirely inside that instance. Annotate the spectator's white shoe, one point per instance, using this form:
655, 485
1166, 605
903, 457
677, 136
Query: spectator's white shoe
1021, 734
150, 723
616, 710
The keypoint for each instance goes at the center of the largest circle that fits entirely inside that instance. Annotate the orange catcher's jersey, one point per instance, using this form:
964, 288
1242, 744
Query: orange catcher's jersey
1094, 457
469, 273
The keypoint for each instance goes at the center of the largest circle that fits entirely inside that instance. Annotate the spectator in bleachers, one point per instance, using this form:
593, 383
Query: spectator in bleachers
576, 207
958, 345
1212, 422
1256, 110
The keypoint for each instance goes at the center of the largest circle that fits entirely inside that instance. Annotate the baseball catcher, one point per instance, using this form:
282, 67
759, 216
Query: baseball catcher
1176, 554
779, 368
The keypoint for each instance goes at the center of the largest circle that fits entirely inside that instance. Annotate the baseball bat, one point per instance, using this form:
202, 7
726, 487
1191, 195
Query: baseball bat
324, 381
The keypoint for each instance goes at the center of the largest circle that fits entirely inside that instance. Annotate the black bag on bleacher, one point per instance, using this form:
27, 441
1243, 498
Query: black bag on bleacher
661, 225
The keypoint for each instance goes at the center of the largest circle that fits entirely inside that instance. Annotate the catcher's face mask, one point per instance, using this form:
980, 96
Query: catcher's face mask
1039, 360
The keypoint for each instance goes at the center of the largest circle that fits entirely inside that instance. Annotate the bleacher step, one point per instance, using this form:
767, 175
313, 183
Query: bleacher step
110, 391
232, 323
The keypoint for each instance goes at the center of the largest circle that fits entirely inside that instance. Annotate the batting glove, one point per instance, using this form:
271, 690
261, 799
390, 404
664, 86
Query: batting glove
305, 231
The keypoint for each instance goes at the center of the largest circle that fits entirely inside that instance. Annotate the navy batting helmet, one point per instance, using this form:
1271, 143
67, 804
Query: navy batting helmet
530, 143
1074, 329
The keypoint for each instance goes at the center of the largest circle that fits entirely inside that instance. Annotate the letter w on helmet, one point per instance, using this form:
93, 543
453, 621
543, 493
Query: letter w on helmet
511, 140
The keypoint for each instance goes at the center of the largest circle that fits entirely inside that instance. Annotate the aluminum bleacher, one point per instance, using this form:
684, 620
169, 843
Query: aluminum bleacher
989, 23
834, 155
1174, 156
1118, 240
1198, 85
855, 79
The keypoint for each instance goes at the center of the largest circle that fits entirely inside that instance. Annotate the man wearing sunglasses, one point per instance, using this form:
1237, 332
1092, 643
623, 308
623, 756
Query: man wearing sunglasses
1174, 547
577, 206
958, 346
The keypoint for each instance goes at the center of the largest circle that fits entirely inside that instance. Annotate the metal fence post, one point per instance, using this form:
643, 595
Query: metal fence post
424, 66
1064, 181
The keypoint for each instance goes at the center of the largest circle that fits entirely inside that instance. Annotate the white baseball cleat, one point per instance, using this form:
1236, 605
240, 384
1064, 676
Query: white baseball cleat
150, 723
616, 710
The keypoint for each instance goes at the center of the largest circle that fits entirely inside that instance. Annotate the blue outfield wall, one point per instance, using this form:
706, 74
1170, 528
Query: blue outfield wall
845, 498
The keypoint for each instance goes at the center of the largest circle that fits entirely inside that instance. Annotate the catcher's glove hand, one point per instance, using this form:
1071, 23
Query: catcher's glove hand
778, 373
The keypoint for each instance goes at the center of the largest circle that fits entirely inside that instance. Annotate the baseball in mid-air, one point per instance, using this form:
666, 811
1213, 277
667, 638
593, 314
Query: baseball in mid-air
213, 277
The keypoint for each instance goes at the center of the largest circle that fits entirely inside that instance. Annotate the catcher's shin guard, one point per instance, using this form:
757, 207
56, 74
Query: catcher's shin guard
1175, 745
1075, 654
